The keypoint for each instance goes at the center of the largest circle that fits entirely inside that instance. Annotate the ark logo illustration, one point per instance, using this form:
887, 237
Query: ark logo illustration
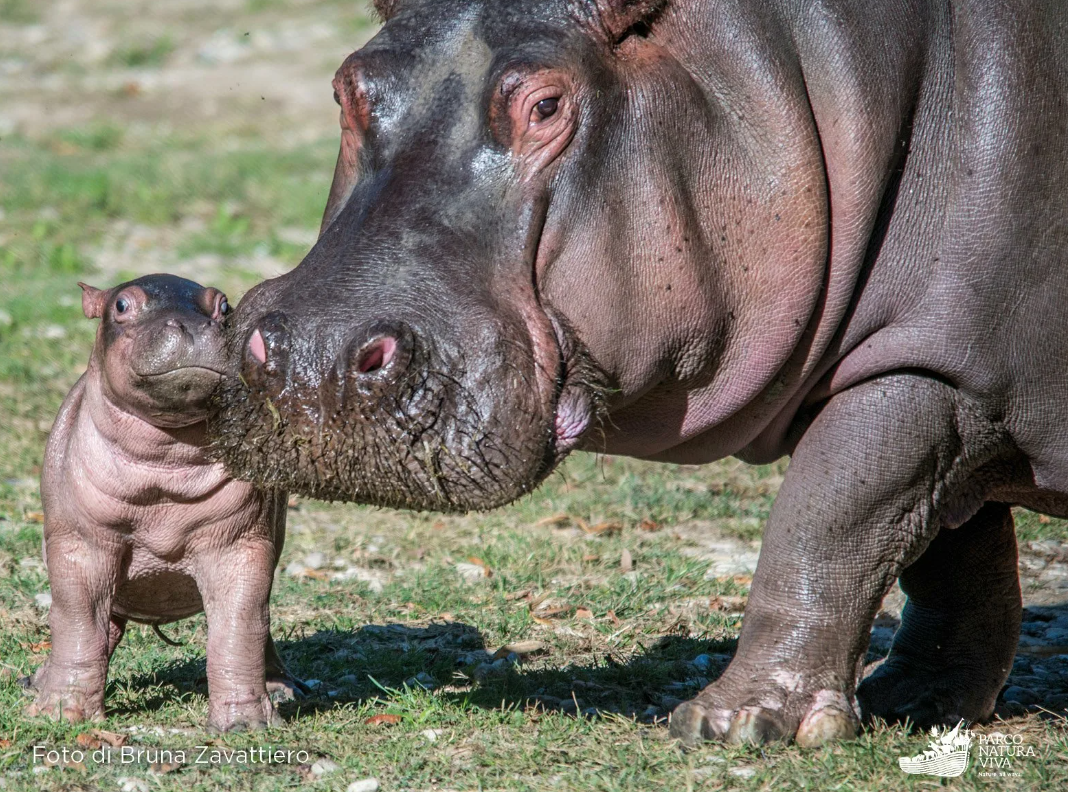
947, 754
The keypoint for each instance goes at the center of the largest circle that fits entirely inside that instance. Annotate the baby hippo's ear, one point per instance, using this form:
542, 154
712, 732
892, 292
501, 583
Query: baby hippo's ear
93, 301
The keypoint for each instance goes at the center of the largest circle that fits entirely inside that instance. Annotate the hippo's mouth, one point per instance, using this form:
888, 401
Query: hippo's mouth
439, 435
181, 370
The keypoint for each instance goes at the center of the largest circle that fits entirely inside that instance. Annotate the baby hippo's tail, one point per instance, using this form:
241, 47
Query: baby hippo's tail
164, 638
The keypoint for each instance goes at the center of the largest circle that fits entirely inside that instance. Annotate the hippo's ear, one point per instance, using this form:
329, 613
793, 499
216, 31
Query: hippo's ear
618, 16
93, 301
386, 8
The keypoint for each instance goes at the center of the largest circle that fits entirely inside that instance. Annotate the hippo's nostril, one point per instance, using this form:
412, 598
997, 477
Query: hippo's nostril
267, 350
257, 347
376, 355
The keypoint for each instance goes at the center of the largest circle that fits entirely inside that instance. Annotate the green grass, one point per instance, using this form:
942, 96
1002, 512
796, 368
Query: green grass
18, 12
617, 645
145, 53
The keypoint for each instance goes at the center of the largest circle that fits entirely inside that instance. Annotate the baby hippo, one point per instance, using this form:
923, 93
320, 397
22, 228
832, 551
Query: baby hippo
141, 524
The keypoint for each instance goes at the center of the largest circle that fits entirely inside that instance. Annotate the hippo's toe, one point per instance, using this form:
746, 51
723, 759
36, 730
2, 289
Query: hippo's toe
775, 714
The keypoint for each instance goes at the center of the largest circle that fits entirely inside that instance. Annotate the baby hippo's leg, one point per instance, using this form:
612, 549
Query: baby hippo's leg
236, 587
70, 685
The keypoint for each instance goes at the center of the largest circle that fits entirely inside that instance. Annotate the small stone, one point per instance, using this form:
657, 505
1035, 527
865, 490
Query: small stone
1019, 695
1057, 635
1058, 703
315, 560
650, 712
591, 712
432, 735
568, 706
486, 671
742, 772
313, 683
349, 680
131, 784
471, 573
323, 767
43, 600
703, 662
363, 785
422, 680
669, 703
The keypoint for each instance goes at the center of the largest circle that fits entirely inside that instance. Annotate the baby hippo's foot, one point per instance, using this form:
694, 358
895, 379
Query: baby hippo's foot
252, 715
72, 702
763, 710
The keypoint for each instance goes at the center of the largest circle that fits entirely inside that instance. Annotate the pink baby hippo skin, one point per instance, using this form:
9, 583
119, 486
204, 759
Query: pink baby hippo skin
141, 524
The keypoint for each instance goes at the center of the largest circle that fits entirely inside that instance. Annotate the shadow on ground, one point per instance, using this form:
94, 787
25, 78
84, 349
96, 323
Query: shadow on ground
453, 659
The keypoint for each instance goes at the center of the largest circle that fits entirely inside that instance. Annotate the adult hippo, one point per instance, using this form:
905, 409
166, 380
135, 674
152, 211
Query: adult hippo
688, 229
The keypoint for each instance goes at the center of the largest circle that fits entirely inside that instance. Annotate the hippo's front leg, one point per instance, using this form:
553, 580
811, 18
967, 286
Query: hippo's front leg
863, 496
236, 588
83, 576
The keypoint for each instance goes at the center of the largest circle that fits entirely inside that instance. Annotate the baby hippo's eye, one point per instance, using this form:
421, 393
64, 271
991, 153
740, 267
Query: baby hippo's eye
224, 307
122, 305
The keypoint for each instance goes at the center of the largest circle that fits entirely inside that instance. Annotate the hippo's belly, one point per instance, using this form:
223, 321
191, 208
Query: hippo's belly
158, 596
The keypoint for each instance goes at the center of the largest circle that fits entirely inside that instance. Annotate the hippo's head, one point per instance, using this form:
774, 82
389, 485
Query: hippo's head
508, 171
160, 348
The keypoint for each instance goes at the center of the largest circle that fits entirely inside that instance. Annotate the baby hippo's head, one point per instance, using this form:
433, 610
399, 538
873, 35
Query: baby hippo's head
160, 350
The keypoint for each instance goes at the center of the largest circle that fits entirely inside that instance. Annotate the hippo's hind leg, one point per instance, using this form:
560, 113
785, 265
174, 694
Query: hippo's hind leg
959, 628
861, 501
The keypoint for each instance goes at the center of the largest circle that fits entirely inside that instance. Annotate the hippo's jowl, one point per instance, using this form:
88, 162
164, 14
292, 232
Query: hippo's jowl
685, 229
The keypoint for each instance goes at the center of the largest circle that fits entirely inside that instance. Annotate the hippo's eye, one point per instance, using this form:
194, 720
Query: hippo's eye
546, 108
122, 305
224, 307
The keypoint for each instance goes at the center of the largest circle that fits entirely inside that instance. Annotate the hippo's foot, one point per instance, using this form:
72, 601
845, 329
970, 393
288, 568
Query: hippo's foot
70, 703
763, 711
959, 629
284, 687
31, 683
901, 690
252, 715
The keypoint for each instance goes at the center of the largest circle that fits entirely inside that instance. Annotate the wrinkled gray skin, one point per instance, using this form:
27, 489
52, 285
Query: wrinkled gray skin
140, 524
834, 230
